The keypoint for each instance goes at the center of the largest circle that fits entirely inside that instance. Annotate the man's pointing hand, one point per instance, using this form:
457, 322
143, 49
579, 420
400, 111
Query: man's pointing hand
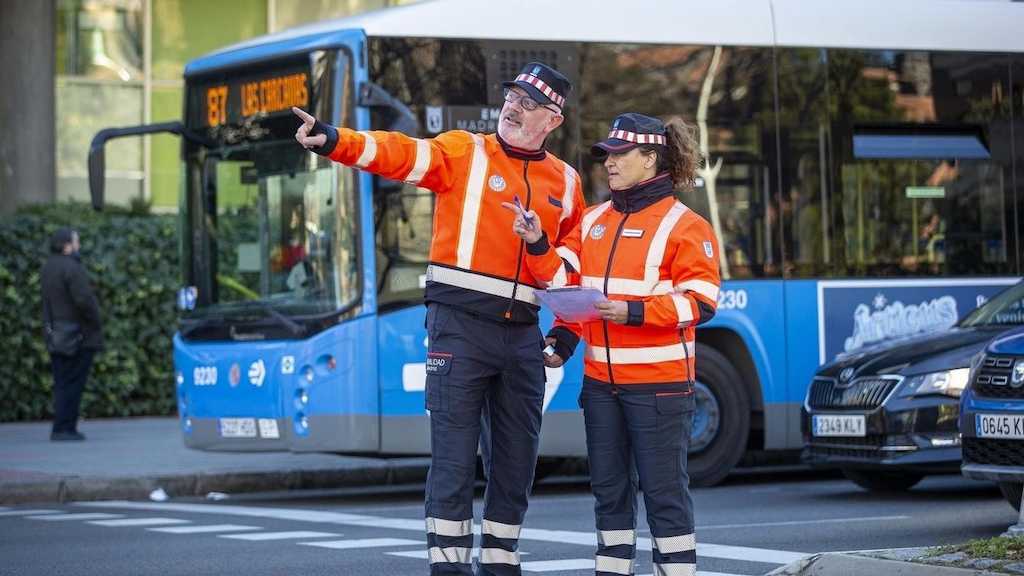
302, 134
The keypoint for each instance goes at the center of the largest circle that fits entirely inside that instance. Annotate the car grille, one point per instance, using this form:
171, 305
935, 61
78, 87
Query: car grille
862, 393
993, 378
993, 451
849, 447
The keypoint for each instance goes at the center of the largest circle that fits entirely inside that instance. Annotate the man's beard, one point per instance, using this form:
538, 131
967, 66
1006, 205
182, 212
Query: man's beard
518, 136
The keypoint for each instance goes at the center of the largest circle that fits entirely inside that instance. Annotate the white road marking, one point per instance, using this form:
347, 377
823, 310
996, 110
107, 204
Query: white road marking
59, 517
140, 522
561, 536
554, 565
364, 543
294, 534
205, 529
802, 522
27, 512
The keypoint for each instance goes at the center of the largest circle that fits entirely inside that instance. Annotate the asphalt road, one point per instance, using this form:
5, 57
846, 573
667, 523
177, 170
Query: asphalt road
750, 525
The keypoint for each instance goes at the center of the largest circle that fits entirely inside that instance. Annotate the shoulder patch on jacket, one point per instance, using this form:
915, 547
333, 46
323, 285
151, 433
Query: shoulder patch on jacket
709, 249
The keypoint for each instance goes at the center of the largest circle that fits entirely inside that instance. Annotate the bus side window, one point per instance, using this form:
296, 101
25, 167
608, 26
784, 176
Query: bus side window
404, 223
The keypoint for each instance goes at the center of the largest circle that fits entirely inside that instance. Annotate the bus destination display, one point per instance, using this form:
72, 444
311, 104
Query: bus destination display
237, 100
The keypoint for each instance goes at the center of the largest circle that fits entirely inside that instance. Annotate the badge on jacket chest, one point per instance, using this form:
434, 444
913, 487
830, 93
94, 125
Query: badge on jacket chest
597, 232
496, 182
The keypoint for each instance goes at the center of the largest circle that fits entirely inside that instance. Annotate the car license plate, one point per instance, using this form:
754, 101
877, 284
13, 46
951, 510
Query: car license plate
838, 425
238, 427
268, 428
999, 426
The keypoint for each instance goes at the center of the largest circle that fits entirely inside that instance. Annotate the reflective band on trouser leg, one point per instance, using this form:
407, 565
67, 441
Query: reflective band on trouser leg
450, 542
499, 556
449, 555
679, 569
673, 544
616, 537
481, 283
451, 528
610, 565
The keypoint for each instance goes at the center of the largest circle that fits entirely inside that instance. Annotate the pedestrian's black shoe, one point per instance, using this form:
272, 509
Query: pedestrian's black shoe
66, 436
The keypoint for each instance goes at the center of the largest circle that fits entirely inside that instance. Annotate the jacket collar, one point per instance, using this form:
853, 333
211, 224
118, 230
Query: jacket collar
520, 153
643, 194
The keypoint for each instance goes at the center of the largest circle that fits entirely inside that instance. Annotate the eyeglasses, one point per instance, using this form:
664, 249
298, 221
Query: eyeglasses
528, 104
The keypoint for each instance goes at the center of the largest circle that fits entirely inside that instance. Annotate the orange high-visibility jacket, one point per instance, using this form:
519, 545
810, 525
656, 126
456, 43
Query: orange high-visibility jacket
476, 262
662, 260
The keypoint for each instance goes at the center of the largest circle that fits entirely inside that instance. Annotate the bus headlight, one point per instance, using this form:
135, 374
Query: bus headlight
946, 383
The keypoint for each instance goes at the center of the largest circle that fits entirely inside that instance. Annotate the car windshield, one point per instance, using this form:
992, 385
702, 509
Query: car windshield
1006, 309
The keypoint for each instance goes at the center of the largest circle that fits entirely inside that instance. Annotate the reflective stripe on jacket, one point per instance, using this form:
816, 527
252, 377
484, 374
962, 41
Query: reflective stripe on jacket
476, 262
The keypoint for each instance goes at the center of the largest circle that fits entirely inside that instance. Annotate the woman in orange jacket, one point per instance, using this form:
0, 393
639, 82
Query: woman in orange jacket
656, 262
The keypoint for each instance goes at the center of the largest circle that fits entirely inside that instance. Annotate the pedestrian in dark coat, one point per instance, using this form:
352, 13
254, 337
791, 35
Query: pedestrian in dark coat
71, 319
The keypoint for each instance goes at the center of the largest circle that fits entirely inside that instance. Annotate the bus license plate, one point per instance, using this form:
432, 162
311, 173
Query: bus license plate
999, 426
238, 427
836, 425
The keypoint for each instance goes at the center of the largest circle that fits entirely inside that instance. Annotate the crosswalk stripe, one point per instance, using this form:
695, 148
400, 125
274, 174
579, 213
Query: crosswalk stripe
27, 512
364, 543
295, 534
205, 529
589, 539
87, 516
553, 565
140, 522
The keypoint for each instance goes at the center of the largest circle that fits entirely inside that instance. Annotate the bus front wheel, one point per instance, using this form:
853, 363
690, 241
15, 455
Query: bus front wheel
721, 419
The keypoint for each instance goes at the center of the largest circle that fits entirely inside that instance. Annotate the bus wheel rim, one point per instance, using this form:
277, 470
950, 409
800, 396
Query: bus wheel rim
707, 418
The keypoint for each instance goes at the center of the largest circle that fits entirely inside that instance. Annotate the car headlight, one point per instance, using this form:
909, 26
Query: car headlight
946, 383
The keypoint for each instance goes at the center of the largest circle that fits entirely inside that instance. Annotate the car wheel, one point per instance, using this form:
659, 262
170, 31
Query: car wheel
881, 480
1012, 491
721, 419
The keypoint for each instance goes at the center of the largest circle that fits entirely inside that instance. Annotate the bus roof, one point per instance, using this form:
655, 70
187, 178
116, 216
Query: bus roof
951, 25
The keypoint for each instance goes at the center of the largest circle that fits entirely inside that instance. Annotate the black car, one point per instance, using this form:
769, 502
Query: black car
887, 416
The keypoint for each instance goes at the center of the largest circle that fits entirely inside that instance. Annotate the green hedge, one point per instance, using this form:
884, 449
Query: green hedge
133, 262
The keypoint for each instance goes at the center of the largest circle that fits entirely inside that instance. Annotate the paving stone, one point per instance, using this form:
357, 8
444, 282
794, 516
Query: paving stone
981, 563
953, 558
1015, 568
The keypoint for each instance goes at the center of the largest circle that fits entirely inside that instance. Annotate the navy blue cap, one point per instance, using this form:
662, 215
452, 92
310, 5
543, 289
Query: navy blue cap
628, 131
543, 83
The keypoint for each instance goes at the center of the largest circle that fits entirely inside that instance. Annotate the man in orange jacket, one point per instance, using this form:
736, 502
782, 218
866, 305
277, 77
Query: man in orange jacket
484, 352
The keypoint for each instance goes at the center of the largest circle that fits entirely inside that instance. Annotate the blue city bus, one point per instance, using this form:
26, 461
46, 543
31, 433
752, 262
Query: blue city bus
863, 165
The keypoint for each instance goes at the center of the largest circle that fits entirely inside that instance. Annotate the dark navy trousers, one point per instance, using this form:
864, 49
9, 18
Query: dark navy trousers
640, 436
480, 367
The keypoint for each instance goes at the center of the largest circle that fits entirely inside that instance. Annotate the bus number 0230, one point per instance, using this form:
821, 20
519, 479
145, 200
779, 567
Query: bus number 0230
732, 299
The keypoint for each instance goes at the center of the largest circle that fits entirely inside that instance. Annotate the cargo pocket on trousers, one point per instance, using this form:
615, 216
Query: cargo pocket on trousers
439, 365
673, 410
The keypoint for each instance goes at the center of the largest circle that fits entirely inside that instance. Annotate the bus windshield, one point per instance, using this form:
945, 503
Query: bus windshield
270, 229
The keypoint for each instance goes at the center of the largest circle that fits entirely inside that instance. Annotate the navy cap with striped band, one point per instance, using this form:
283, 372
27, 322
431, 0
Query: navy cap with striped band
628, 131
543, 83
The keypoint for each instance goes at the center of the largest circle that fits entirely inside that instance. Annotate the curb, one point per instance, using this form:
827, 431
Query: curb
844, 564
61, 489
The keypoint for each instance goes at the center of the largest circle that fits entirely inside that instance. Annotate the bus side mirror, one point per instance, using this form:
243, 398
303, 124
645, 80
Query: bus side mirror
97, 156
403, 120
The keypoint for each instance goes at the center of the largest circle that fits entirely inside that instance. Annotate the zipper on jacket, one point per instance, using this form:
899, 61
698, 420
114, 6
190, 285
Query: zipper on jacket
604, 323
522, 245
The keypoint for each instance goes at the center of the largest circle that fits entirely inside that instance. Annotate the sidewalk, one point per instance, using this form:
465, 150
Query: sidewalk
129, 458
